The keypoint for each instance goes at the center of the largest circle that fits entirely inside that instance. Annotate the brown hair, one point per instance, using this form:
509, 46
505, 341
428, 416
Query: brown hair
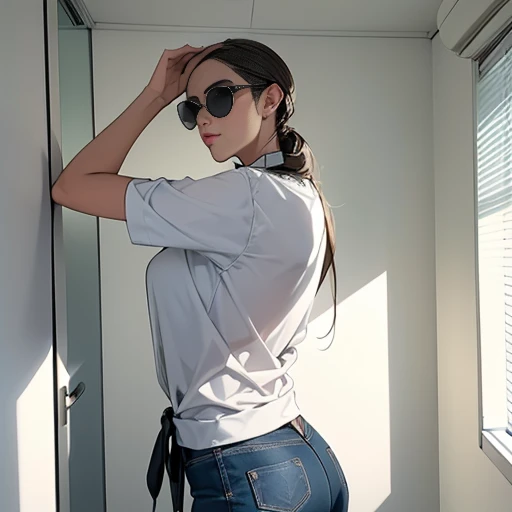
256, 62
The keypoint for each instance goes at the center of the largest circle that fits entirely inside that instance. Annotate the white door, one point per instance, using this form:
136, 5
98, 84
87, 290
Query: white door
76, 276
82, 265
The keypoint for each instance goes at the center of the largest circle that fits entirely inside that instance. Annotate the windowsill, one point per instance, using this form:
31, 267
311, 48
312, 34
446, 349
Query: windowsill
497, 445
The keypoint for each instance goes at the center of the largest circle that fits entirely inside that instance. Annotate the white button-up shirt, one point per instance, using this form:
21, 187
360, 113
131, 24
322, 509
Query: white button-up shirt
229, 296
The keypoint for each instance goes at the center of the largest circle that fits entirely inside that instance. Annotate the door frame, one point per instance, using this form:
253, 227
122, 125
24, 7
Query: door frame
61, 376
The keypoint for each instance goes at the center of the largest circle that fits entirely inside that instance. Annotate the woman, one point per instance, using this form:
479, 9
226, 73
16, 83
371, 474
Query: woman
230, 294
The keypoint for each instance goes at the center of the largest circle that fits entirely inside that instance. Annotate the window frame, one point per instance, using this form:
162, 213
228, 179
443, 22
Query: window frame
496, 443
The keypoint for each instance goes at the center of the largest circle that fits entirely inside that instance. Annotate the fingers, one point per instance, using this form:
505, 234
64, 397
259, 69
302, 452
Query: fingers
183, 61
179, 52
196, 58
210, 48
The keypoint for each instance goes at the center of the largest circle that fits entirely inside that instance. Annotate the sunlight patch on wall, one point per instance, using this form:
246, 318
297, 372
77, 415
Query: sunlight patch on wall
36, 434
344, 391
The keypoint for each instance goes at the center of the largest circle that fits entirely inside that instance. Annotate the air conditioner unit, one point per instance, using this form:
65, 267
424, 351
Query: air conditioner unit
466, 27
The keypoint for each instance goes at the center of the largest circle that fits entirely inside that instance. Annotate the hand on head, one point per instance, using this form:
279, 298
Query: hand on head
174, 68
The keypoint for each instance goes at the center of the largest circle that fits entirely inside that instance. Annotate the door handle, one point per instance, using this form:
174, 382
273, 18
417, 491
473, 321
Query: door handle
68, 400
75, 395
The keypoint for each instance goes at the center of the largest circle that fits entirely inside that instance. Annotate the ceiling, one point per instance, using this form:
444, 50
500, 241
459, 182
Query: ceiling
298, 15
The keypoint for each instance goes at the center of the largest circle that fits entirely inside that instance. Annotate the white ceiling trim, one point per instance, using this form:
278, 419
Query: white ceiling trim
82, 11
281, 32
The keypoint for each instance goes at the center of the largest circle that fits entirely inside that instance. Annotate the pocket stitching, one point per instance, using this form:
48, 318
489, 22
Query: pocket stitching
307, 494
199, 459
244, 449
258, 447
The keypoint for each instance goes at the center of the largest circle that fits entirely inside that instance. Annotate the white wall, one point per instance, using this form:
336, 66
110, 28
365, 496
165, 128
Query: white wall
27, 460
373, 394
468, 479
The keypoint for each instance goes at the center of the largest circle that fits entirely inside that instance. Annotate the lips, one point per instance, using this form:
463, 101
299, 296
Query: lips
209, 138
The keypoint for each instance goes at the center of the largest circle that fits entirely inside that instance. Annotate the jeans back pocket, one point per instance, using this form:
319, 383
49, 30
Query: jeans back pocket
282, 487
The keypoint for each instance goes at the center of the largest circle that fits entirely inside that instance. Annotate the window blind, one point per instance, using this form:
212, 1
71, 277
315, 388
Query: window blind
494, 187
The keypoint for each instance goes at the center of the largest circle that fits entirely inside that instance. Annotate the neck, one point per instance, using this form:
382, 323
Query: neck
264, 143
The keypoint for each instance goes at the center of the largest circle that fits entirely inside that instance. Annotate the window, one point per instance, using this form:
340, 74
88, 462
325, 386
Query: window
494, 209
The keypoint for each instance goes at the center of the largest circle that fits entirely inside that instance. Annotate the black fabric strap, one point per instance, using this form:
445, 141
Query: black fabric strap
172, 462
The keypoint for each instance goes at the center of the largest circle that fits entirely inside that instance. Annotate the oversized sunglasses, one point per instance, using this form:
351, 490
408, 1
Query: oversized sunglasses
219, 102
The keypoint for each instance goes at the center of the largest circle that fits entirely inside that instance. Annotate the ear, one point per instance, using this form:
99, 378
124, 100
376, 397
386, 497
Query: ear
273, 96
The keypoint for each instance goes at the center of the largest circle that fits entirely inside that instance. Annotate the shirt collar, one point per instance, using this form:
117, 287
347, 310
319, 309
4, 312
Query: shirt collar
267, 161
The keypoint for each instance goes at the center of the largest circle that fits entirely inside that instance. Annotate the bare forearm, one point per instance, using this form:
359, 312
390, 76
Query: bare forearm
107, 151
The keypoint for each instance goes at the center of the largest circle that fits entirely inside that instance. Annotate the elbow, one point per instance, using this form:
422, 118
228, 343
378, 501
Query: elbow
57, 194
61, 189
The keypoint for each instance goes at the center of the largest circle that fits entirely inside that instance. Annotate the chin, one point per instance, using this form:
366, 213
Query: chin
219, 157
219, 161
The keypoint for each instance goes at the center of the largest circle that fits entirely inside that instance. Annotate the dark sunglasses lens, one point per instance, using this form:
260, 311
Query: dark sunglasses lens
187, 111
219, 101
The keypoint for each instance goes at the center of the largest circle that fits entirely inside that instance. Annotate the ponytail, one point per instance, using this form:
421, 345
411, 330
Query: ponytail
299, 159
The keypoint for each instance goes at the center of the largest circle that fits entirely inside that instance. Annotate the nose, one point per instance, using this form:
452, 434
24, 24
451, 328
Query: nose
203, 116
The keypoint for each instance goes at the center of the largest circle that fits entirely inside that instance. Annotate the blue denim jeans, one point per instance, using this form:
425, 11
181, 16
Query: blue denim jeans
283, 471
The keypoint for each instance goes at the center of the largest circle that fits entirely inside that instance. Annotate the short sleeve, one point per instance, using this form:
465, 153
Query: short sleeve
212, 215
